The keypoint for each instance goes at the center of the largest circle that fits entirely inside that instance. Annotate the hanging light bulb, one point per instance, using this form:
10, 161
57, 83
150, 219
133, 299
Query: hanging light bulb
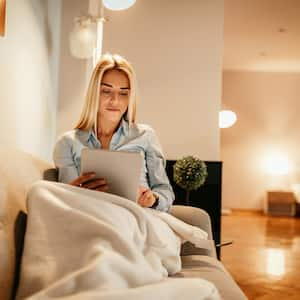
227, 118
83, 38
118, 4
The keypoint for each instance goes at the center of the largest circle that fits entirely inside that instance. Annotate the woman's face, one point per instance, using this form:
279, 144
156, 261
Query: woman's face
114, 96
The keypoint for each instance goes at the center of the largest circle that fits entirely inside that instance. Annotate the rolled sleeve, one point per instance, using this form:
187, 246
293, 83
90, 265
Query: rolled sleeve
158, 179
64, 161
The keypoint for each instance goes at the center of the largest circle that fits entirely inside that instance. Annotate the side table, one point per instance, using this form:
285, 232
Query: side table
281, 203
207, 197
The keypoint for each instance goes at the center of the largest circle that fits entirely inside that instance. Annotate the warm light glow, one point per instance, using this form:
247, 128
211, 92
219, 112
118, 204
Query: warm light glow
272, 64
277, 164
226, 118
118, 4
295, 187
275, 262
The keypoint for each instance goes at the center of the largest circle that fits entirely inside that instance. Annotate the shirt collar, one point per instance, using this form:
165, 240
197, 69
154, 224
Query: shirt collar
123, 129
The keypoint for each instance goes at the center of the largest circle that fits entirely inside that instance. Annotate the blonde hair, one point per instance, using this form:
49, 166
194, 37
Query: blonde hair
88, 119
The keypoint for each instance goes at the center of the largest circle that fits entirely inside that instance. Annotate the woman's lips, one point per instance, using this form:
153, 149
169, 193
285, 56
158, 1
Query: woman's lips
112, 109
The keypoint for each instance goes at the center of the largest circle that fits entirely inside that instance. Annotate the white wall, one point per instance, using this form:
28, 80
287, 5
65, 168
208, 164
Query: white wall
267, 107
28, 75
176, 49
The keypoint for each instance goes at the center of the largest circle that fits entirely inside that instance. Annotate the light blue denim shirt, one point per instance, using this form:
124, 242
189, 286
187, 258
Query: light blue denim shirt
135, 138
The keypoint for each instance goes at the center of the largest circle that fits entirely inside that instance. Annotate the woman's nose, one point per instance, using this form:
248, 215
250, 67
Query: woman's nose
114, 96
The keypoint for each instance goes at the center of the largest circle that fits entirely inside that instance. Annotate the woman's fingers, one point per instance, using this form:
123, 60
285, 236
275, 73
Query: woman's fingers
141, 190
95, 184
145, 196
80, 180
147, 199
102, 188
88, 181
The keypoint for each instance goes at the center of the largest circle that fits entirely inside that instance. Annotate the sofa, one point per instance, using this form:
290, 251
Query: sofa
18, 170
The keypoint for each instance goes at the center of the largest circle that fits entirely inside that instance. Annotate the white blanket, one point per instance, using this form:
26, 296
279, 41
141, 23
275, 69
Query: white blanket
83, 244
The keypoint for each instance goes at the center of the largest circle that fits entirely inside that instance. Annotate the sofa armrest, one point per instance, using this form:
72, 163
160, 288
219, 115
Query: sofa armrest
50, 174
196, 217
18, 171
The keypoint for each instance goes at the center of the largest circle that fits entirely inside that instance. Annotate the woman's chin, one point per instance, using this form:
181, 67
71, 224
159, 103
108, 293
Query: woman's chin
114, 117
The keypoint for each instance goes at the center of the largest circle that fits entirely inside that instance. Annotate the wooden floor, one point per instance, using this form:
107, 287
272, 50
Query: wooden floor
265, 256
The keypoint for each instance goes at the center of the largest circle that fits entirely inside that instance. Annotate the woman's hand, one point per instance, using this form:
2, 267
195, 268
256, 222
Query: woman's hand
89, 181
145, 197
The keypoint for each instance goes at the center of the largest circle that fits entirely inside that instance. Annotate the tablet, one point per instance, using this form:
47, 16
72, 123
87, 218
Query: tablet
122, 170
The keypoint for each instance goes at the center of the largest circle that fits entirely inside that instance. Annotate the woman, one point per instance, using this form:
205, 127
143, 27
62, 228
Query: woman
108, 122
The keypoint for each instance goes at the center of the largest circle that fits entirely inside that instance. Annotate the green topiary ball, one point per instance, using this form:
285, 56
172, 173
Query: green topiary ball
189, 173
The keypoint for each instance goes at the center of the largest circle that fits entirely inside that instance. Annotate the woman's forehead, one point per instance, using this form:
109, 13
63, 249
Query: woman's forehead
115, 78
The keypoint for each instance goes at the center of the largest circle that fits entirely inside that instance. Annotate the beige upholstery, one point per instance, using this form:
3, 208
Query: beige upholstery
18, 171
196, 217
211, 269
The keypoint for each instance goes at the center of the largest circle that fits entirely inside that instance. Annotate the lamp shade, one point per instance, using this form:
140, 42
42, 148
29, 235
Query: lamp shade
226, 118
118, 4
83, 40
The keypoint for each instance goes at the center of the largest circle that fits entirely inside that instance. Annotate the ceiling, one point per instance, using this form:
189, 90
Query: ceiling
262, 35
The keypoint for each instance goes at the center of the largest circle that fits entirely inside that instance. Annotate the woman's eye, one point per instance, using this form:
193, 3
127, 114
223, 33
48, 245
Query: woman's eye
105, 91
124, 93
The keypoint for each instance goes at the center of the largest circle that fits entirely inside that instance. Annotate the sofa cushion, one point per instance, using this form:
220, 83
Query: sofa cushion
211, 269
18, 170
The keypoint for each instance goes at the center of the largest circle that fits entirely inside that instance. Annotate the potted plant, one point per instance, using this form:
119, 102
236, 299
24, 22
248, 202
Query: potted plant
189, 173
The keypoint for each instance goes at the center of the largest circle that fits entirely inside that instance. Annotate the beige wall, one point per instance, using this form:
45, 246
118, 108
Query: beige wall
176, 49
28, 75
267, 107
73, 79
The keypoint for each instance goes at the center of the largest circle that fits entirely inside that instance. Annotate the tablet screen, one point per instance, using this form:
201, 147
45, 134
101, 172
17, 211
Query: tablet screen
121, 170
